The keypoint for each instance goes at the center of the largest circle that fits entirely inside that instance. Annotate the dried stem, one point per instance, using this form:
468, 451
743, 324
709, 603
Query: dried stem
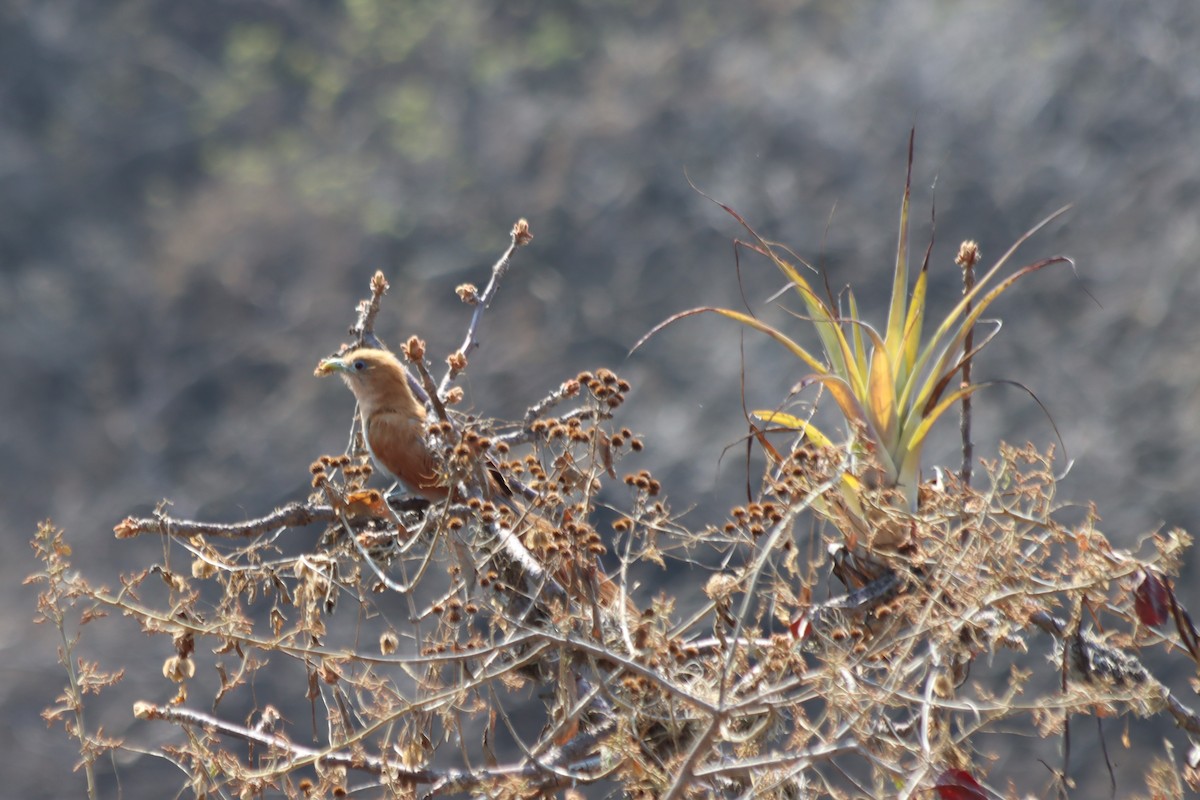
293, 515
520, 236
433, 396
968, 256
444, 782
363, 328
569, 389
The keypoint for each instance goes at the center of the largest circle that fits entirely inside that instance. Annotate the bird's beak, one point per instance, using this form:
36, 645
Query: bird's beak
329, 366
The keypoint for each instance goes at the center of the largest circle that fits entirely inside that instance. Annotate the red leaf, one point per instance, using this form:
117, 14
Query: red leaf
958, 784
1151, 599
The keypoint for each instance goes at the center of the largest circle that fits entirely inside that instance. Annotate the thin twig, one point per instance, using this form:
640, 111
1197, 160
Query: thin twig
414, 351
293, 515
524, 435
968, 255
363, 328
449, 781
568, 389
520, 236
356, 759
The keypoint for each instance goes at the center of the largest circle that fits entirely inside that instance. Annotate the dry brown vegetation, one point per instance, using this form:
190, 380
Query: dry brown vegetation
839, 641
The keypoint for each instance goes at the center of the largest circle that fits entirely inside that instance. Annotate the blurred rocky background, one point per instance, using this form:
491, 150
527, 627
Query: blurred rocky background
194, 195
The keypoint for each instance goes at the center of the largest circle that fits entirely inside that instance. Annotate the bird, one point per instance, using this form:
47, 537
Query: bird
393, 419
394, 428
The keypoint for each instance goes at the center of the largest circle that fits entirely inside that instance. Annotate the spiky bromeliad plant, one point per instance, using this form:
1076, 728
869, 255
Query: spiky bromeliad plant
891, 387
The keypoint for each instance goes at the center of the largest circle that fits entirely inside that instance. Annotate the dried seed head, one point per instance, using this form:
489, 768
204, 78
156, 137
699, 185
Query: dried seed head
521, 235
379, 284
468, 293
968, 254
720, 588
414, 349
178, 669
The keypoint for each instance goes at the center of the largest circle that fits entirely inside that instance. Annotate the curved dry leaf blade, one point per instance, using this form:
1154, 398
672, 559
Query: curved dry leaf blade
935, 395
1002, 287
847, 401
949, 336
948, 323
837, 349
746, 320
760, 245
773, 454
912, 440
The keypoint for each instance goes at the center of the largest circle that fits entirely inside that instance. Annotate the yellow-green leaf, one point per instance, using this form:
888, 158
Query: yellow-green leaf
781, 418
912, 327
896, 315
860, 350
881, 400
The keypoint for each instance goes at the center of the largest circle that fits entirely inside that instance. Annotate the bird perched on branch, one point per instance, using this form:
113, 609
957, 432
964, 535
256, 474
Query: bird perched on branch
393, 423
393, 420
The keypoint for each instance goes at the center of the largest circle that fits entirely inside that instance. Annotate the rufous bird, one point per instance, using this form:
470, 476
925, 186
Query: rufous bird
393, 420
393, 424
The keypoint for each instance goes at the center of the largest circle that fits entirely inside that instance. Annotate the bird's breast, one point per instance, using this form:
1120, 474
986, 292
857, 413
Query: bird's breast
398, 445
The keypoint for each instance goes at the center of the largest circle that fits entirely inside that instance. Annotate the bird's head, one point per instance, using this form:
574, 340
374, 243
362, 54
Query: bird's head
376, 377
357, 363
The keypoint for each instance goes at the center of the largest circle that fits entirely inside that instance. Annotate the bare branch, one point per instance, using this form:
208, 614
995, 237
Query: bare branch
520, 236
293, 515
363, 328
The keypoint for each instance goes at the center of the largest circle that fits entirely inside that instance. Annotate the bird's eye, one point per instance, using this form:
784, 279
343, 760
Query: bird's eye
359, 365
